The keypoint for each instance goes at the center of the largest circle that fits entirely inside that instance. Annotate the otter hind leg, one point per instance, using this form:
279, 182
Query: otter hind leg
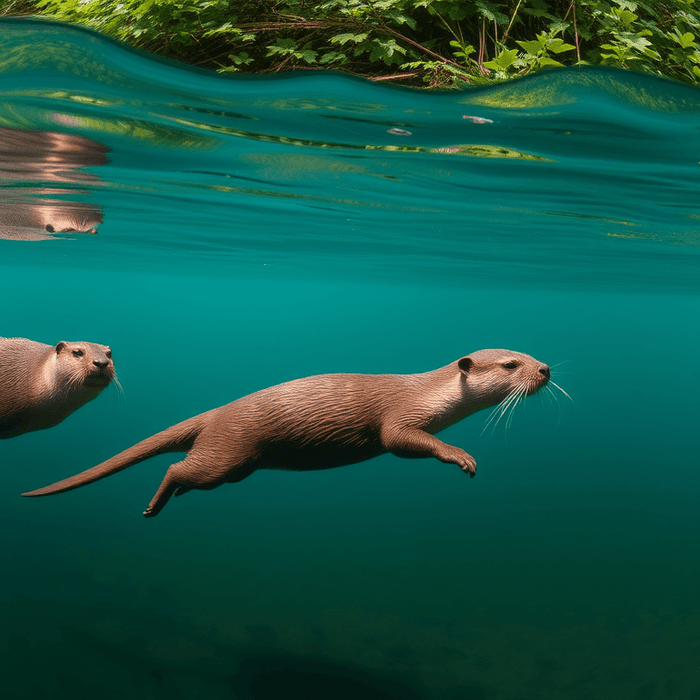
166, 489
184, 476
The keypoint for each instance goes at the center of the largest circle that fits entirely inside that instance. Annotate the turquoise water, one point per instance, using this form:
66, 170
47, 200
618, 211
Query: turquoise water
258, 230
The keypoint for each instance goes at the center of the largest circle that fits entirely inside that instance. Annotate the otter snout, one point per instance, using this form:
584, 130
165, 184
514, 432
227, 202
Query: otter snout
540, 379
102, 362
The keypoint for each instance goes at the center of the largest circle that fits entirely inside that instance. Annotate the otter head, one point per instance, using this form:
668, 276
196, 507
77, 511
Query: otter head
73, 218
84, 365
494, 375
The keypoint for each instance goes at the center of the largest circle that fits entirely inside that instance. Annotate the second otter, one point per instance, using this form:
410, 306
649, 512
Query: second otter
41, 385
328, 421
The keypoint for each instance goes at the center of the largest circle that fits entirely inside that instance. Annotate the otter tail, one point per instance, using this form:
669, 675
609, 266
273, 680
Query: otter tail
178, 438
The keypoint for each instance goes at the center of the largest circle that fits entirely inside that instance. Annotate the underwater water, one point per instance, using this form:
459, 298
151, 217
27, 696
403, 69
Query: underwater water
256, 230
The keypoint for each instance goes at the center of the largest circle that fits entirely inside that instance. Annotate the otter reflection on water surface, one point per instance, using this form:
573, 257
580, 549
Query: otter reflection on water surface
35, 166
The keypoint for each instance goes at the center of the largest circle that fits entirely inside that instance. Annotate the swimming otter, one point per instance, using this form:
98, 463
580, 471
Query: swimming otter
41, 385
327, 421
37, 166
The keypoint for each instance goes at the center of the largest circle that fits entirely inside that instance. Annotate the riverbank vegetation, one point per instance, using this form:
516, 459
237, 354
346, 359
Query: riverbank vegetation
433, 43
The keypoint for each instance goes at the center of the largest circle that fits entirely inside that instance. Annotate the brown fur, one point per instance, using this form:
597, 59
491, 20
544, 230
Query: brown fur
34, 219
326, 421
41, 385
37, 166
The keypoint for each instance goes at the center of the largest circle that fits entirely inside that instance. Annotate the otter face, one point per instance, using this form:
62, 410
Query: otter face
497, 374
86, 364
76, 218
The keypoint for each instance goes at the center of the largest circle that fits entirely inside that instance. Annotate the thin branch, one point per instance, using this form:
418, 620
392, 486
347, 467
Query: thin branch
578, 50
510, 24
395, 77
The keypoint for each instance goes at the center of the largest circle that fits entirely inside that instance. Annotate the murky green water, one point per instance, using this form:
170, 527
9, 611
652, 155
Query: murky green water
258, 230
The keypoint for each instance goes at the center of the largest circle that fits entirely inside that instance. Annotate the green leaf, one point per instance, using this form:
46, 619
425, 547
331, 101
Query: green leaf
532, 47
285, 44
384, 50
535, 13
343, 39
456, 12
308, 55
490, 11
636, 42
332, 57
546, 61
686, 40
625, 16
558, 26
464, 51
400, 18
503, 61
559, 46
241, 59
143, 8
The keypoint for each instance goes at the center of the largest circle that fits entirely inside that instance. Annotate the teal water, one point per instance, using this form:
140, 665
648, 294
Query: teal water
258, 230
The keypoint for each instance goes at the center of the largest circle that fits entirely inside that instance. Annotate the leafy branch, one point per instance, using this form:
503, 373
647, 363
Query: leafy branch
438, 43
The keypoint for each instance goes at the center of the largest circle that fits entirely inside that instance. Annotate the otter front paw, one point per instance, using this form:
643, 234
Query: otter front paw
468, 465
465, 461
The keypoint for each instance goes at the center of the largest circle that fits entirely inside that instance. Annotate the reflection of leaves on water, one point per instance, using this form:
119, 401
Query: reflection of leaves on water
559, 88
480, 150
138, 129
687, 238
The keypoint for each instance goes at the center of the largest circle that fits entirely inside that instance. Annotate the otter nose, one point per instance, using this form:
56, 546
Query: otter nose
101, 363
544, 371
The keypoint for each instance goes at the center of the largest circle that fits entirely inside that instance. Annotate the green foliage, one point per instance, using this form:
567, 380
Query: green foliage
439, 43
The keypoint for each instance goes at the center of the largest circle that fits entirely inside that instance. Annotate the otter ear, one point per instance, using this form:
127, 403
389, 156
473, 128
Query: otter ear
465, 364
60, 346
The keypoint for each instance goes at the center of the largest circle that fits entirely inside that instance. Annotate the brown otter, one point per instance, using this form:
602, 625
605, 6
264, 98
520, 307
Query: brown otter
35, 166
326, 421
38, 219
41, 385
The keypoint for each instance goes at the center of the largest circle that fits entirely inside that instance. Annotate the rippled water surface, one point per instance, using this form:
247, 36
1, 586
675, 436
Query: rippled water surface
226, 234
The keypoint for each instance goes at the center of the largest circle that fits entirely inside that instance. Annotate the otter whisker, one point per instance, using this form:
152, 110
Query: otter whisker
554, 397
521, 394
514, 405
495, 410
501, 405
492, 415
119, 387
562, 391
504, 405
563, 362
73, 381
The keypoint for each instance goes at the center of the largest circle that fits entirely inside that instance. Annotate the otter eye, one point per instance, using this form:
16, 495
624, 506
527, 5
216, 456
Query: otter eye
78, 353
50, 228
108, 354
510, 365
